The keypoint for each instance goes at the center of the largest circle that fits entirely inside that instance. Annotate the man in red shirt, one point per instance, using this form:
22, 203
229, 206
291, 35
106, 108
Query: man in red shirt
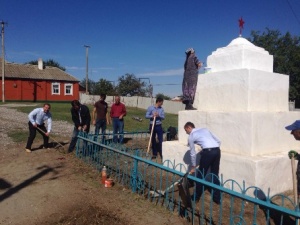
117, 112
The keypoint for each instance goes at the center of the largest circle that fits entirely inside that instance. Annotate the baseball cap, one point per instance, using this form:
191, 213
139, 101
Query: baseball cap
294, 126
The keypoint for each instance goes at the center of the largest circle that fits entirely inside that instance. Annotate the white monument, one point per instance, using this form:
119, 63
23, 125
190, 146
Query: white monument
246, 106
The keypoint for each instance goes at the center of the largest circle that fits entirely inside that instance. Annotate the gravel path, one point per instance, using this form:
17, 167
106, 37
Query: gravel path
11, 119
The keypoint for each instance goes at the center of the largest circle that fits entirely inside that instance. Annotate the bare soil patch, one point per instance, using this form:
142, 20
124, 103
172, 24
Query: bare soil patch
50, 187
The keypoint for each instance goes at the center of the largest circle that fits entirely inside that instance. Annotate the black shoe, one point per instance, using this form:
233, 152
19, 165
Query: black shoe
217, 201
190, 107
153, 157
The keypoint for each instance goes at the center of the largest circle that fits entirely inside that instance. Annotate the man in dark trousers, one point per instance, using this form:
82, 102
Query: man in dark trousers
210, 157
81, 118
100, 116
37, 117
295, 131
156, 111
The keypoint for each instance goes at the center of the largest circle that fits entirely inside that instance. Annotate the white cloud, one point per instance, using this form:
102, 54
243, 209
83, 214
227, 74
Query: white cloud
74, 68
173, 72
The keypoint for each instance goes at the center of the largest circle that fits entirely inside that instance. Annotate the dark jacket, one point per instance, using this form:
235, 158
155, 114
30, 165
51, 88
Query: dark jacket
85, 117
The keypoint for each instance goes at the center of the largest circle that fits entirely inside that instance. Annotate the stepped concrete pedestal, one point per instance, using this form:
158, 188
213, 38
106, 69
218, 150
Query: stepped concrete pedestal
246, 106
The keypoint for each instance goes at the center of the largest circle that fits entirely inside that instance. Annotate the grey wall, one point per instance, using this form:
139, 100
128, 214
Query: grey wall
135, 101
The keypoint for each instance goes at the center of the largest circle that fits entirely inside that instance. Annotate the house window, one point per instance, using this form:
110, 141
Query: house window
68, 89
55, 89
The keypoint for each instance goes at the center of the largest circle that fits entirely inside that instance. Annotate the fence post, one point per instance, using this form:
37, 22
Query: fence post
134, 176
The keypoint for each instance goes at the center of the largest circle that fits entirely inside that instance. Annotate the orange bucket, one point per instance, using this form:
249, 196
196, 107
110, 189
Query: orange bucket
108, 183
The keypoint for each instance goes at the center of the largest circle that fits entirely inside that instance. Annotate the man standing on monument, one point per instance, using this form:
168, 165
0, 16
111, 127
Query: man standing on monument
295, 131
210, 157
190, 78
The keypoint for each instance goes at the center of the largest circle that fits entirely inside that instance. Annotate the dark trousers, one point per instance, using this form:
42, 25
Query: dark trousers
75, 138
100, 126
298, 176
157, 147
210, 158
32, 134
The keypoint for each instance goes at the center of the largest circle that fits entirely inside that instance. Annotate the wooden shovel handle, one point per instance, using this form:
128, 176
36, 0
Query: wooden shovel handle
151, 133
294, 181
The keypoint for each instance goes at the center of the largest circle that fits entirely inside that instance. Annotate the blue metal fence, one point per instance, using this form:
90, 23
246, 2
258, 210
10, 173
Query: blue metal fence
130, 165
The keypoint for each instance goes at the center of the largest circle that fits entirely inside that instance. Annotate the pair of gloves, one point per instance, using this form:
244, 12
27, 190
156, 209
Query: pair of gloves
293, 153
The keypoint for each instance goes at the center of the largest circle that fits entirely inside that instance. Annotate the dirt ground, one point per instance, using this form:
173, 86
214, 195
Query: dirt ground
50, 187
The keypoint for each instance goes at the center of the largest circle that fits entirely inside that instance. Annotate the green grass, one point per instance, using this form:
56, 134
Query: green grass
18, 135
61, 111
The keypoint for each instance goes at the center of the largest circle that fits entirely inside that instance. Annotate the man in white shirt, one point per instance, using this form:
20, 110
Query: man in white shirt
37, 117
210, 157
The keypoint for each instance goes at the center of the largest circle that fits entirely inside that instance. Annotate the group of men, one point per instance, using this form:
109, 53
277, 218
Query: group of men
81, 118
209, 143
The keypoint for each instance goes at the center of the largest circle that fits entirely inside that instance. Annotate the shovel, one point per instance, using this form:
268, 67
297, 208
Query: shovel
158, 193
153, 124
51, 138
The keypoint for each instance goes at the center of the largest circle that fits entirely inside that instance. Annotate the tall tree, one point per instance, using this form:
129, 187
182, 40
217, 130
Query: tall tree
130, 85
91, 86
105, 87
164, 97
49, 62
286, 52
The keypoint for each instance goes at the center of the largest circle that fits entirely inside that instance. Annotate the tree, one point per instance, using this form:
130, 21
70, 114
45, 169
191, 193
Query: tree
286, 52
161, 95
49, 62
105, 87
91, 86
130, 85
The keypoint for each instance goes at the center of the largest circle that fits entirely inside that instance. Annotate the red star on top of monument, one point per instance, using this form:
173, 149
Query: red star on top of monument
241, 25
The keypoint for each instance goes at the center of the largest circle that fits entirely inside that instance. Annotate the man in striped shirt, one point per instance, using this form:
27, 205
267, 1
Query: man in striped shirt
37, 118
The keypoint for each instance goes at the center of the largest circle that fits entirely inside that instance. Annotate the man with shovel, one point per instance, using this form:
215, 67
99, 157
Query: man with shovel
210, 157
295, 131
82, 118
37, 117
156, 114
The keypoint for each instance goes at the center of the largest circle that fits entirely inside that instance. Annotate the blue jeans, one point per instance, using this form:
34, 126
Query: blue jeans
157, 147
210, 158
100, 125
74, 139
118, 128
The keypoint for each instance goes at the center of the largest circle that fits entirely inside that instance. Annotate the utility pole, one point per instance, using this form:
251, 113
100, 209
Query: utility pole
87, 69
3, 61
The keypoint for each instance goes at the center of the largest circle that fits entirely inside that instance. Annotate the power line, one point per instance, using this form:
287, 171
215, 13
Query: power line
293, 11
164, 84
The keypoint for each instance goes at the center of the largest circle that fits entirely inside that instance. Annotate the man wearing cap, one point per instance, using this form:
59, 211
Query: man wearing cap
210, 157
295, 130
190, 78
